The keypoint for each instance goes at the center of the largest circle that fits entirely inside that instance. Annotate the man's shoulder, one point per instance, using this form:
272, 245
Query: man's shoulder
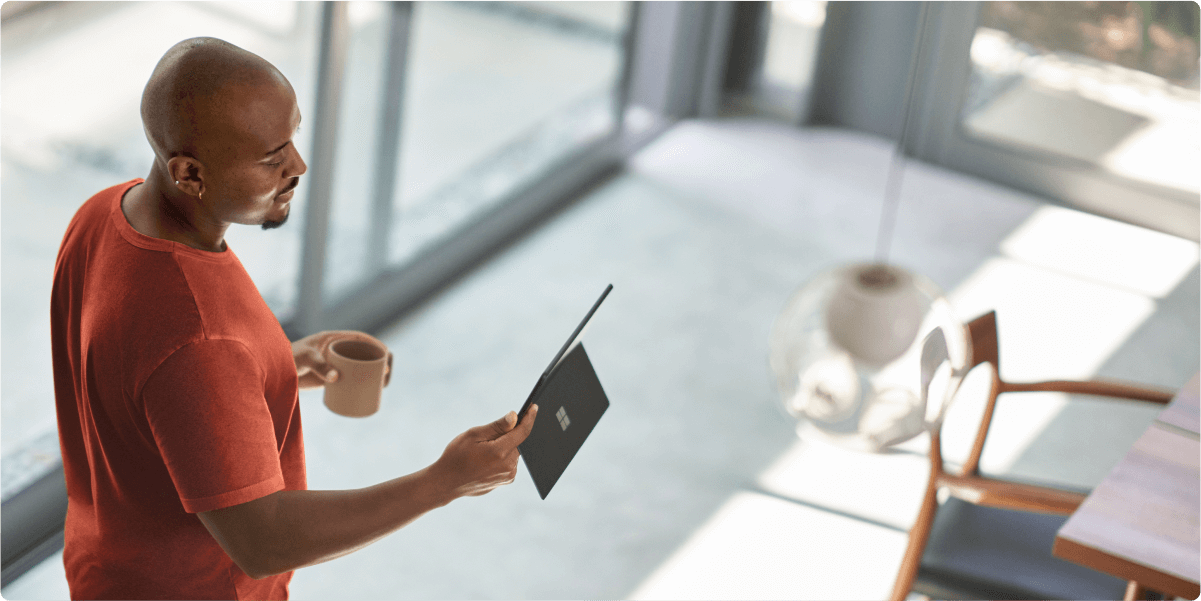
92, 215
101, 203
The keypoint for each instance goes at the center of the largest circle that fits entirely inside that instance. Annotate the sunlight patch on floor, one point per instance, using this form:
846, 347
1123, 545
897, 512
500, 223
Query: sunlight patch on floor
761, 547
1102, 250
885, 488
1051, 326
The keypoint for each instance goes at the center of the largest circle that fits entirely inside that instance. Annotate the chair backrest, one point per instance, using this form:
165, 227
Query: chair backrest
983, 331
985, 349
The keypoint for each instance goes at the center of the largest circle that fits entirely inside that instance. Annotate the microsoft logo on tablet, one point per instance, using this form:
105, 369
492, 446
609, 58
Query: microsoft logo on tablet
564, 421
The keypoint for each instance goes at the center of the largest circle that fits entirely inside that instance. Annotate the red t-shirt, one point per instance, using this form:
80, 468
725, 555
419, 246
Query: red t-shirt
176, 393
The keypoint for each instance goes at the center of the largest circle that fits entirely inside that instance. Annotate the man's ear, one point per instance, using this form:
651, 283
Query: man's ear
186, 174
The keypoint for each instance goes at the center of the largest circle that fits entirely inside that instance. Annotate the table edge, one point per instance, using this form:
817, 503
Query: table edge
1148, 577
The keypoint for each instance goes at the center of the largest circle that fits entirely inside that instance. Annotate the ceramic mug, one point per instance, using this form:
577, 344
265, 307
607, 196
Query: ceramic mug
364, 370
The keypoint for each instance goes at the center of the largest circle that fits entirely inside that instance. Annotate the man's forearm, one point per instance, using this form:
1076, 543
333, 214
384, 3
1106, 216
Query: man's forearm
295, 528
291, 529
317, 526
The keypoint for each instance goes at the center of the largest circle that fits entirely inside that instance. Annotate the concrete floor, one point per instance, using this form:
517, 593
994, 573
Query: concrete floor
694, 485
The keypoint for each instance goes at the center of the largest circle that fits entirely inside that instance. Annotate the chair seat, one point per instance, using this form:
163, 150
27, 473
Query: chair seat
988, 553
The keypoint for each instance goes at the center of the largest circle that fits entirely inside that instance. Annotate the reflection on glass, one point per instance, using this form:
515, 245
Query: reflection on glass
495, 93
1114, 84
72, 79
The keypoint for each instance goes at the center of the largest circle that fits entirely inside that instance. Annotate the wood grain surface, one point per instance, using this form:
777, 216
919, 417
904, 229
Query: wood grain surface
1141, 522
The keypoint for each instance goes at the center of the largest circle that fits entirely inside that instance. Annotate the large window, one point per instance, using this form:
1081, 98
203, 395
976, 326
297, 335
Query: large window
72, 84
490, 97
433, 132
1091, 103
1112, 84
493, 95
789, 58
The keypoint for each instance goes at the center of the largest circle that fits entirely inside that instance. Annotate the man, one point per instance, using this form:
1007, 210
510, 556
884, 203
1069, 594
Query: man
176, 388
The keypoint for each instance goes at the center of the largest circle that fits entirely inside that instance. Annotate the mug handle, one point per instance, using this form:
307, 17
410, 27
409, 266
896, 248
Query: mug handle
388, 372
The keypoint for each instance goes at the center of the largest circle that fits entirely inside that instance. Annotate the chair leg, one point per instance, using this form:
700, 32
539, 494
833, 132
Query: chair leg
918, 536
1133, 591
1136, 591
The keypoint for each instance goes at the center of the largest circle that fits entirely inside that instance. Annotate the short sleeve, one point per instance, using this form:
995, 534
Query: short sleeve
209, 417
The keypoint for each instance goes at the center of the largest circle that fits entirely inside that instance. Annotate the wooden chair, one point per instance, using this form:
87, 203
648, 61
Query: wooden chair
976, 500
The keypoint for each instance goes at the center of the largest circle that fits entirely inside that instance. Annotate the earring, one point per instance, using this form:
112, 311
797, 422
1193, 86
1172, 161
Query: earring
176, 182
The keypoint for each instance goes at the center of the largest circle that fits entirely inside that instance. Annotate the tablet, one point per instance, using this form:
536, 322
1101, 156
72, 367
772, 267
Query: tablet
570, 403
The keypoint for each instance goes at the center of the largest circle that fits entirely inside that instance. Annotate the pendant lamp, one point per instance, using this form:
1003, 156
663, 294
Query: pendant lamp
868, 355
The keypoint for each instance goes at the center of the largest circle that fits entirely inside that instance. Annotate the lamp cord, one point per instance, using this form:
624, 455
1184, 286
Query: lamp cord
892, 187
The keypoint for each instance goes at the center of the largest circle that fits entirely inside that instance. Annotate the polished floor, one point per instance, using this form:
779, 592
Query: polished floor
694, 485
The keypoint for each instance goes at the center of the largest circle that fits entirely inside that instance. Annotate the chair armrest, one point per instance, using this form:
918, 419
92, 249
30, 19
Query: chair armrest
1010, 495
1120, 390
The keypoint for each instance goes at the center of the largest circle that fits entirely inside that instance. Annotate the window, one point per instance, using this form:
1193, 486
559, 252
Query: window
72, 84
1093, 104
439, 117
1113, 84
493, 95
789, 59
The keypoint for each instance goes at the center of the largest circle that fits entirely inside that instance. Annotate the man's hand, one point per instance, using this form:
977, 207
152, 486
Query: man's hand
484, 457
311, 355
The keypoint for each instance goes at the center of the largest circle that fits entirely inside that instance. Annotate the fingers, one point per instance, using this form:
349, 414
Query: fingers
324, 368
313, 370
516, 436
320, 367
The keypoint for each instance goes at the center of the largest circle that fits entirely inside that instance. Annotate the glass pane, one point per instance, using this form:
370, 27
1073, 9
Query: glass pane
1114, 84
354, 162
495, 93
791, 53
72, 79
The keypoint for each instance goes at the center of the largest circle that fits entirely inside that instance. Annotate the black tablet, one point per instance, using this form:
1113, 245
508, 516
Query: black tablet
570, 403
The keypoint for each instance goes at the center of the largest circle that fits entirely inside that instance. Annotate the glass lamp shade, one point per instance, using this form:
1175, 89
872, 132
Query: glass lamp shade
867, 356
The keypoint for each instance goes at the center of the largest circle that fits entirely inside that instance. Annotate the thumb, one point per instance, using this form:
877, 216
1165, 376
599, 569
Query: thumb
504, 424
518, 434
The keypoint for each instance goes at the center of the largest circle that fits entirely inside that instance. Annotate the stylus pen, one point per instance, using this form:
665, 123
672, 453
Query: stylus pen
546, 374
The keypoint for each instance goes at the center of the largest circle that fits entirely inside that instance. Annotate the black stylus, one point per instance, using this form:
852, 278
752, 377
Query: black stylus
546, 374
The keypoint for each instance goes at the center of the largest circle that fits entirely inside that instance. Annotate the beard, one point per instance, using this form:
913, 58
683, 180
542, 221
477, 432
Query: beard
270, 225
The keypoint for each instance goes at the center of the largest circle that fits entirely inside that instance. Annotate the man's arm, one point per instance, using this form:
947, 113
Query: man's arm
291, 529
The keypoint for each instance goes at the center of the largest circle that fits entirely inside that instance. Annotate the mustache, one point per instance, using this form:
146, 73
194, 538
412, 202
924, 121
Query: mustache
291, 186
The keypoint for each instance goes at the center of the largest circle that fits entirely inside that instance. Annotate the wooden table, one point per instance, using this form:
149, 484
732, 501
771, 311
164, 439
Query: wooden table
1141, 522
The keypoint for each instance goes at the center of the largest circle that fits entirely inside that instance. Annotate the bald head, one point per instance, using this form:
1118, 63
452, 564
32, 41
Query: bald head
200, 86
221, 122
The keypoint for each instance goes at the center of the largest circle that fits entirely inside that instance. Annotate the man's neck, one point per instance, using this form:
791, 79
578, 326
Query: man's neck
150, 210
